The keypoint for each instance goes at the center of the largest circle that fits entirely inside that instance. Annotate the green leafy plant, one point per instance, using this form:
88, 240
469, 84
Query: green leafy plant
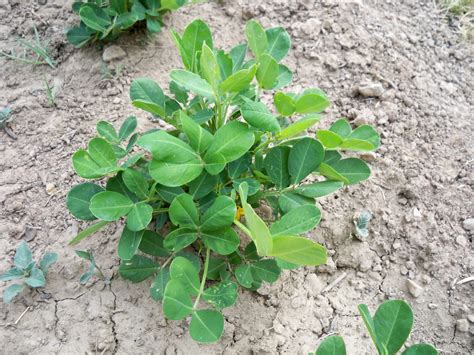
88, 256
105, 20
389, 329
225, 153
30, 274
35, 52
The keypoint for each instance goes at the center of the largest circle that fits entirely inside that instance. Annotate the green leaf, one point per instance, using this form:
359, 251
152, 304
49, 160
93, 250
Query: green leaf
364, 137
332, 345
136, 182
299, 126
137, 269
298, 250
207, 326
352, 170
253, 184
221, 214
259, 231
221, 295
231, 141
290, 200
216, 265
279, 43
341, 127
12, 274
319, 189
192, 82
110, 206
369, 324
420, 349
183, 212
158, 286
128, 243
120, 6
299, 220
11, 292
172, 4
78, 36
257, 38
48, 260
223, 241
225, 64
266, 270
238, 81
139, 216
202, 185
258, 115
127, 128
393, 321
88, 231
243, 274
152, 244
23, 256
195, 35
126, 20
90, 272
107, 131
175, 163
95, 17
102, 153
285, 76
329, 139
237, 54
153, 25
284, 103
312, 101
180, 238
86, 167
116, 184
168, 194
177, 303
147, 95
36, 278
267, 72
239, 166
210, 69
182, 270
304, 158
78, 200
276, 166
199, 138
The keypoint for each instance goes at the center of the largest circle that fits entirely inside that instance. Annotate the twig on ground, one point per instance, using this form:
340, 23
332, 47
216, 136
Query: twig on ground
334, 283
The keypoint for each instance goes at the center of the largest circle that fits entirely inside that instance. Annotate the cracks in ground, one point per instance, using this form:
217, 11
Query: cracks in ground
112, 321
56, 317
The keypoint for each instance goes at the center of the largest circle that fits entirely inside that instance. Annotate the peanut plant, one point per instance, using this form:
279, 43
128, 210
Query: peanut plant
105, 20
188, 195
389, 329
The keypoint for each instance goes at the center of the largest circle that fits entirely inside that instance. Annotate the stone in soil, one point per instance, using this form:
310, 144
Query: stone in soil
414, 289
113, 53
468, 224
370, 89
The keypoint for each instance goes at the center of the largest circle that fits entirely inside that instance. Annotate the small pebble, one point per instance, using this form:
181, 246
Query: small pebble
468, 224
113, 53
462, 325
50, 188
414, 289
370, 89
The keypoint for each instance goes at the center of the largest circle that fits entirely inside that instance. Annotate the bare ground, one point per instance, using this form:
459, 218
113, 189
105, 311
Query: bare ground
420, 192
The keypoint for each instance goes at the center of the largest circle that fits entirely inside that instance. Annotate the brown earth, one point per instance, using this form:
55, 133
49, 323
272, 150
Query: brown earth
399, 65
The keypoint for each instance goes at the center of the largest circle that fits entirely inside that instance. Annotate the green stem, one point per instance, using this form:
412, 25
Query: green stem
243, 228
203, 280
160, 210
278, 192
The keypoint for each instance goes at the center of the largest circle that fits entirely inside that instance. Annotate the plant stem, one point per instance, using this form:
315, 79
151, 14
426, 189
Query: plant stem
243, 228
204, 277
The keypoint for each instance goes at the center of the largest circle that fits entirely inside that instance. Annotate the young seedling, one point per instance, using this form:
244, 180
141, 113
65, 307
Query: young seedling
87, 255
106, 20
35, 52
389, 329
30, 274
5, 118
50, 93
186, 192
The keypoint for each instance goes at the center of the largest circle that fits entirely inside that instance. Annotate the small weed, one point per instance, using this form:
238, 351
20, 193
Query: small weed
108, 73
30, 273
87, 255
50, 93
464, 10
35, 52
5, 118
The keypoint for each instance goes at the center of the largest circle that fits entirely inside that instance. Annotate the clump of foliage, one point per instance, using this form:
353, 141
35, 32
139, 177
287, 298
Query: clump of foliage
190, 199
105, 20
389, 329
30, 274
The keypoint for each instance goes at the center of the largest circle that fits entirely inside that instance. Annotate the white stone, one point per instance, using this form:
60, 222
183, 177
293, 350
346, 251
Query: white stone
113, 53
468, 224
414, 289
